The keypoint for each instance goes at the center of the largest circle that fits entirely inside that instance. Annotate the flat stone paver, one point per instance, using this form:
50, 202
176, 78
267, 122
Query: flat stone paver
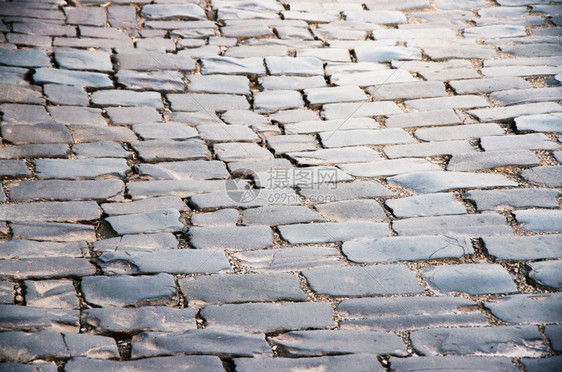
280, 185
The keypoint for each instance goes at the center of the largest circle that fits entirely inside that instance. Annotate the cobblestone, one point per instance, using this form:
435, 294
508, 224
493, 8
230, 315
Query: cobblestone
424, 132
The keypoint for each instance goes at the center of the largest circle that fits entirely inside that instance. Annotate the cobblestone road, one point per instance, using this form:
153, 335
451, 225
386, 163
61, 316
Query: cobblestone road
351, 185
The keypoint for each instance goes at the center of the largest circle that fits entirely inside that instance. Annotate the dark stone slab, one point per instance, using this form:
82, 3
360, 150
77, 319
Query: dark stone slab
173, 11
165, 220
80, 168
74, 59
493, 159
45, 267
13, 169
78, 115
135, 291
36, 366
426, 205
154, 61
91, 16
78, 78
230, 237
547, 273
91, 346
500, 341
165, 150
430, 182
51, 211
67, 190
524, 247
333, 231
513, 198
20, 94
554, 335
200, 341
90, 133
326, 342
102, 149
133, 115
362, 281
527, 309
140, 242
175, 363
144, 206
276, 215
540, 220
34, 151
289, 259
24, 58
59, 294
182, 170
25, 347
181, 261
469, 278
217, 289
406, 248
17, 114
464, 224
38, 133
109, 321
179, 188
453, 363
127, 98
551, 364
18, 248
408, 313
7, 292
549, 175
358, 363
27, 318
166, 81
269, 317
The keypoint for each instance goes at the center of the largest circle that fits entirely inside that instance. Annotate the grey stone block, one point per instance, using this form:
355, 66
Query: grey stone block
269, 317
405, 248
27, 318
493, 341
362, 281
426, 205
26, 347
333, 231
549, 175
540, 220
145, 206
513, 198
91, 346
408, 313
132, 291
546, 273
478, 363
524, 247
110, 320
181, 261
275, 215
469, 278
176, 363
45, 267
524, 308
230, 237
67, 190
491, 159
289, 259
359, 363
430, 182
218, 289
165, 220
59, 294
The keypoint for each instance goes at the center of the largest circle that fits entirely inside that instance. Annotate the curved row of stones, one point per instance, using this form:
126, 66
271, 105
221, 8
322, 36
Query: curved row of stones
247, 185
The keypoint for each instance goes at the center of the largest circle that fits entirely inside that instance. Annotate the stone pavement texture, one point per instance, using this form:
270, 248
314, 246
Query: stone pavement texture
280, 185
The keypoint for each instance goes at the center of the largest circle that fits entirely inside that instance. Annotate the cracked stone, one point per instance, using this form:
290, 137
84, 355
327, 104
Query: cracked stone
406, 248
